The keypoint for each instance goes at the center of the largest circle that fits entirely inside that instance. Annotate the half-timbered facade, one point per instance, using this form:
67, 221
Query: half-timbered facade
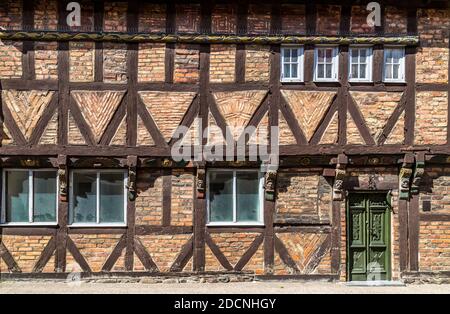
88, 179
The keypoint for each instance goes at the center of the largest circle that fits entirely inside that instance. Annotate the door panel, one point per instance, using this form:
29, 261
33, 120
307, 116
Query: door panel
368, 237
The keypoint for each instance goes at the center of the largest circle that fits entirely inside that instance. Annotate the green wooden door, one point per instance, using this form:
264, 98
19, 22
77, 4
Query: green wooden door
368, 237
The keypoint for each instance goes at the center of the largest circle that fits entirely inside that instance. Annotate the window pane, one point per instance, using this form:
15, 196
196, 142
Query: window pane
395, 74
286, 55
247, 198
44, 189
329, 55
84, 197
388, 53
388, 70
111, 197
287, 70
320, 55
221, 196
355, 55
321, 71
294, 71
294, 55
363, 55
17, 189
362, 71
355, 71
329, 68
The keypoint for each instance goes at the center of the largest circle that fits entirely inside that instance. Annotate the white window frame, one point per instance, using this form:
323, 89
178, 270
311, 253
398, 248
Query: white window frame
401, 70
98, 223
260, 222
30, 222
335, 64
300, 64
369, 63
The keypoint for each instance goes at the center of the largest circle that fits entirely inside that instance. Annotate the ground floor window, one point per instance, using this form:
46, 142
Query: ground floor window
98, 197
235, 197
29, 196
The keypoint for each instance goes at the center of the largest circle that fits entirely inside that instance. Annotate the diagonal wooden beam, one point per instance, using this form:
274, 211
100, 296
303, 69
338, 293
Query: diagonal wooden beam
220, 120
81, 122
9, 259
46, 254
249, 253
183, 258
258, 115
217, 252
285, 256
189, 117
77, 256
150, 124
13, 128
44, 120
114, 124
144, 257
359, 121
291, 120
115, 254
318, 255
392, 120
325, 122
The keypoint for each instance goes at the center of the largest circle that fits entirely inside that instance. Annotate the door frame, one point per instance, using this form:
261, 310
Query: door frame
387, 232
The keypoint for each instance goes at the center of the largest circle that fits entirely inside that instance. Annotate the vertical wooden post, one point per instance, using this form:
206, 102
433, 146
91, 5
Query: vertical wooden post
63, 215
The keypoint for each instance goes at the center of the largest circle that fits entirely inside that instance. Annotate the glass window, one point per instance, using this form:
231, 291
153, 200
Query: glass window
30, 196
394, 64
292, 64
98, 197
234, 197
326, 65
361, 64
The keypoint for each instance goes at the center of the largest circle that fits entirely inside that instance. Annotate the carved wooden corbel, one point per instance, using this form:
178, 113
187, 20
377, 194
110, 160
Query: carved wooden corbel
419, 171
201, 183
340, 174
270, 184
131, 185
62, 177
405, 177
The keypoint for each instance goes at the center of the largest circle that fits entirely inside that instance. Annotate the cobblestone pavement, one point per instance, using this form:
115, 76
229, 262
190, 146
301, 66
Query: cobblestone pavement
219, 288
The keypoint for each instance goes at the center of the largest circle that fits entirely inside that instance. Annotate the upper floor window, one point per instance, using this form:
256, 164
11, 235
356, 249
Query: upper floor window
292, 64
360, 64
326, 64
29, 196
98, 197
394, 64
235, 197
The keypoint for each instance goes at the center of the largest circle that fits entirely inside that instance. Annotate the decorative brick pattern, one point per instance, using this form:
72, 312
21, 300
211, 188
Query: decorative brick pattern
188, 18
97, 108
223, 63
431, 118
433, 26
396, 20
120, 138
95, 249
435, 190
257, 63
309, 108
293, 19
258, 20
50, 135
215, 135
151, 62
182, 198
187, 64
46, 15
261, 134
115, 17
376, 108
143, 135
46, 60
114, 63
286, 137
149, 200
238, 107
224, 19
7, 138
328, 19
353, 135
11, 14
358, 21
164, 249
330, 136
25, 250
152, 18
167, 109
434, 248
74, 135
10, 59
432, 65
26, 107
82, 56
302, 194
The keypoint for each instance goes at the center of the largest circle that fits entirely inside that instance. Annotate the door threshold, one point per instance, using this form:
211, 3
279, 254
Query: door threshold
375, 283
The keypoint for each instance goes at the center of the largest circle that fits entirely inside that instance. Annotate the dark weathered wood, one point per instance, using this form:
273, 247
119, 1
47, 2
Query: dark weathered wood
144, 257
433, 87
14, 130
46, 254
336, 237
346, 12
308, 64
217, 252
114, 124
72, 248
151, 126
284, 255
169, 63
291, 120
435, 217
343, 95
413, 232
170, 17
9, 259
392, 121
205, 18
275, 18
240, 63
28, 231
311, 17
217, 229
308, 277
249, 253
318, 255
359, 121
378, 61
411, 25
115, 254
166, 197
403, 234
63, 217
131, 217
324, 228
44, 120
185, 255
25, 84
410, 97
242, 14
155, 230
98, 26
84, 128
255, 120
